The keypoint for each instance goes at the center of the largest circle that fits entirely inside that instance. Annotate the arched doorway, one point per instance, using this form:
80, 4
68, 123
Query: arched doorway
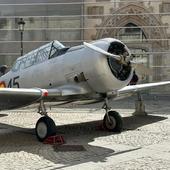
134, 31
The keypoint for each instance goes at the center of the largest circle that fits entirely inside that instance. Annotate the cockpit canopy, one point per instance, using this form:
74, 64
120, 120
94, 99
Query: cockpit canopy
39, 55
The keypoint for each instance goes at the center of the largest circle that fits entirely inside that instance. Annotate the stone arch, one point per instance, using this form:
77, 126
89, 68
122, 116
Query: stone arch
143, 17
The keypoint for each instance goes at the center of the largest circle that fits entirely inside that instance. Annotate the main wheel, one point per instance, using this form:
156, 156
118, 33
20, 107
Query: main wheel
114, 123
45, 127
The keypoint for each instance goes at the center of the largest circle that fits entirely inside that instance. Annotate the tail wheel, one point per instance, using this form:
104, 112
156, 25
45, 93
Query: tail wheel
114, 123
45, 127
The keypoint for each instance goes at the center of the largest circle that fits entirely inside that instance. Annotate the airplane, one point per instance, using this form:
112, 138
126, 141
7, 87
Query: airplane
97, 71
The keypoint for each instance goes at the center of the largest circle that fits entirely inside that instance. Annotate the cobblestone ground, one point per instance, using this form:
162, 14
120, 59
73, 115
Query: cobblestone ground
143, 144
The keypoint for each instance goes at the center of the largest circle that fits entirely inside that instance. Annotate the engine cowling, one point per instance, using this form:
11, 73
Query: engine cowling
105, 73
120, 69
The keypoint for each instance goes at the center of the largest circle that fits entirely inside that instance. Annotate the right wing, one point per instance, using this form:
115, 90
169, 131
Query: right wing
141, 87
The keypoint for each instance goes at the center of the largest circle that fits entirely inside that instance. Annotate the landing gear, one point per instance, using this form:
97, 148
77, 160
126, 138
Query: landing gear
45, 126
112, 120
139, 106
114, 123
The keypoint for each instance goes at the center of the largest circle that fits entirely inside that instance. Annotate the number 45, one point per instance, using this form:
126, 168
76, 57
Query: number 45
13, 82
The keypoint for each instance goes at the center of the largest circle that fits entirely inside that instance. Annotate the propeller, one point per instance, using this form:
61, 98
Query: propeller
136, 65
99, 50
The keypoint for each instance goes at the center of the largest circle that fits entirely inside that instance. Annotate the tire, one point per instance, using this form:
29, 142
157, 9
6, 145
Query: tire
116, 124
45, 127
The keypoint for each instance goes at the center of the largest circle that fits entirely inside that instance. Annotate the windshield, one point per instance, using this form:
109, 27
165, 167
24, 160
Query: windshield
56, 48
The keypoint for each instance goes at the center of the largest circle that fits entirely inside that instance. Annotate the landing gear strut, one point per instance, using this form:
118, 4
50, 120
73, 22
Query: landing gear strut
112, 120
45, 126
139, 106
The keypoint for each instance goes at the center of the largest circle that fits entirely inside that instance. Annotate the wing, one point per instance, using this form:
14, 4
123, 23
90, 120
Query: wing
11, 98
140, 87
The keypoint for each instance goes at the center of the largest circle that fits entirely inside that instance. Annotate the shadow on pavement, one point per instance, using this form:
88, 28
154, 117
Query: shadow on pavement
3, 115
16, 139
134, 122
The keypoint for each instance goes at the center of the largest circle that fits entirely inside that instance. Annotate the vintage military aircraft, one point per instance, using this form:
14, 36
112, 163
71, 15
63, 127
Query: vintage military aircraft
96, 71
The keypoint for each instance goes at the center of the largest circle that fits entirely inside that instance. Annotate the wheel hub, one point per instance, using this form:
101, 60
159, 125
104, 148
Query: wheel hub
42, 130
111, 123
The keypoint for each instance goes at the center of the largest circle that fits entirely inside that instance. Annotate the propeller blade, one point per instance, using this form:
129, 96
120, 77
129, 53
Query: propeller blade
99, 50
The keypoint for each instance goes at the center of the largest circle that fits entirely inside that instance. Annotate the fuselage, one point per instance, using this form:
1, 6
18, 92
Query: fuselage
79, 66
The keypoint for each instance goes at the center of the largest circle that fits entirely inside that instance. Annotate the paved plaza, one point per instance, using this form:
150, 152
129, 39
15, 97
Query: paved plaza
143, 144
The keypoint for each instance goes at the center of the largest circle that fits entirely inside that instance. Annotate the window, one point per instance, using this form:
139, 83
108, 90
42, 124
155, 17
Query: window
93, 11
57, 49
165, 7
16, 65
43, 53
131, 32
30, 59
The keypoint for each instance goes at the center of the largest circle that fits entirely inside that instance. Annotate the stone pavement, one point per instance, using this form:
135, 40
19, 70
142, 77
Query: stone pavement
143, 144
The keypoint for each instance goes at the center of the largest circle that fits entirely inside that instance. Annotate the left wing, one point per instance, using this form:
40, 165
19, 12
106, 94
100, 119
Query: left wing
11, 98
140, 87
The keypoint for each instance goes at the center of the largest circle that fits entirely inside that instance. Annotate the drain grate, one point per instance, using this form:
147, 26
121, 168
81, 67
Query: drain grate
68, 148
